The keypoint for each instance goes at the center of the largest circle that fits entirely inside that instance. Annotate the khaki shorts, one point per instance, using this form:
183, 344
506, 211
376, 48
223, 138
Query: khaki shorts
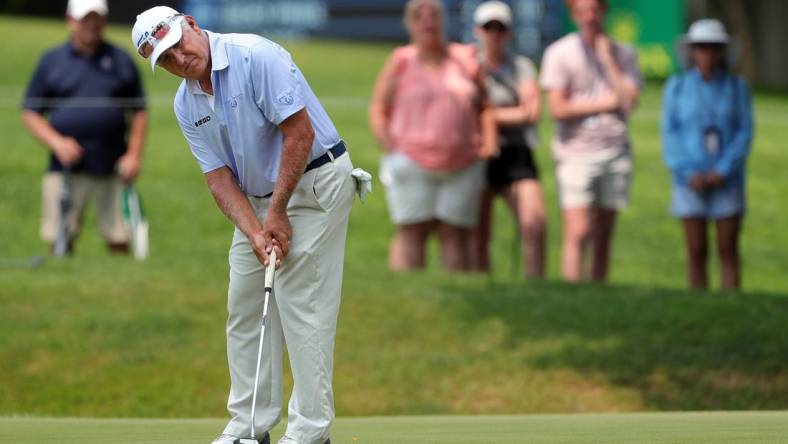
107, 193
416, 195
599, 179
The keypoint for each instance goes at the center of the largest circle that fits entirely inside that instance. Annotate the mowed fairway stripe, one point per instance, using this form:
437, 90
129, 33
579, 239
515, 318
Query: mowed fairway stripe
656, 428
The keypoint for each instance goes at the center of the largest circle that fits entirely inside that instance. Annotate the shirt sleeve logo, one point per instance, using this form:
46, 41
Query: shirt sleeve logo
285, 100
202, 121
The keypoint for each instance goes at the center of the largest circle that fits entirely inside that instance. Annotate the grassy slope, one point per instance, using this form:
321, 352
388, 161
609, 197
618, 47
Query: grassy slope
104, 336
663, 428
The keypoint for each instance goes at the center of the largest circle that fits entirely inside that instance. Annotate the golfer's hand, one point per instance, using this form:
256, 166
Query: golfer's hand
276, 233
698, 183
68, 151
128, 167
257, 241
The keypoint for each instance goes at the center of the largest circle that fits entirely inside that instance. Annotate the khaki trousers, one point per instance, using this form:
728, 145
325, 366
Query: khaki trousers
105, 190
302, 314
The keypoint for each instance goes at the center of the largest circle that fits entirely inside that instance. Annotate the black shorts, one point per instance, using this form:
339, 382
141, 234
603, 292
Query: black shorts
515, 162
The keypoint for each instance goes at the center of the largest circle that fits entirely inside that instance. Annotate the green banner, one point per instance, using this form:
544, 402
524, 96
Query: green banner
652, 26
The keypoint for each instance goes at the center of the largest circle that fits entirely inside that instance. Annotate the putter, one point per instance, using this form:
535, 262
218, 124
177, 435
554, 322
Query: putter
269, 288
63, 237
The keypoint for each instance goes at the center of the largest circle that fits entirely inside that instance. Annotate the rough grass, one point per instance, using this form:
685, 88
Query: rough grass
106, 336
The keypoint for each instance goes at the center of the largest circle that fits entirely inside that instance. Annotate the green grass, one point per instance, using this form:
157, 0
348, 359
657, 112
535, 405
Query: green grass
101, 336
662, 428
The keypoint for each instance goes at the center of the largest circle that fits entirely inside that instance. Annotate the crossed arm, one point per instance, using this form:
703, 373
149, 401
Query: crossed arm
622, 96
527, 111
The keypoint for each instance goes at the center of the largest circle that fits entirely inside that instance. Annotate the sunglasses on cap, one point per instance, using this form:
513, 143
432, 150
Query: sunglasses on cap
157, 34
494, 26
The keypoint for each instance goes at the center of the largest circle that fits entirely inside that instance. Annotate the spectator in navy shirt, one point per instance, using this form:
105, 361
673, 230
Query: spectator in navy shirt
706, 134
77, 105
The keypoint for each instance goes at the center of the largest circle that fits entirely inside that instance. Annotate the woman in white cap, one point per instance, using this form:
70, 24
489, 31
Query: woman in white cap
706, 134
513, 91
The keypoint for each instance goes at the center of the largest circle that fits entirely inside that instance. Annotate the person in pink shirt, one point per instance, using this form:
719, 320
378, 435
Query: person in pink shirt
592, 84
429, 114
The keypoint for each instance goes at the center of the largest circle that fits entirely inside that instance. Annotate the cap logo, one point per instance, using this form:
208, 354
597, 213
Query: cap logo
143, 37
150, 39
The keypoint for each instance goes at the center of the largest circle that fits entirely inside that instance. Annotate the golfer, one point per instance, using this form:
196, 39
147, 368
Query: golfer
276, 167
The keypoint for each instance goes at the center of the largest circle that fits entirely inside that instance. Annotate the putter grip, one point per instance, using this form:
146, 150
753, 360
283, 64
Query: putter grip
269, 271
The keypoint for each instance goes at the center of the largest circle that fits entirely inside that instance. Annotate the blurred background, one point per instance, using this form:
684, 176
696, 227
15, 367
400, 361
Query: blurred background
107, 336
651, 25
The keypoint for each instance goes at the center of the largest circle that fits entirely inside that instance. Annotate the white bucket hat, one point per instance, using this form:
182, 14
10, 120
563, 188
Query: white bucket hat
146, 34
710, 31
493, 11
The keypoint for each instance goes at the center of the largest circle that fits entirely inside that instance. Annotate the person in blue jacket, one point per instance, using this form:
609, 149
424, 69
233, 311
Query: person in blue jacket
707, 129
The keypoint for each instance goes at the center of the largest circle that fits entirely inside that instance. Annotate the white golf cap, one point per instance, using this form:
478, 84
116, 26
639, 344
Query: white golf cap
78, 9
493, 11
707, 31
161, 19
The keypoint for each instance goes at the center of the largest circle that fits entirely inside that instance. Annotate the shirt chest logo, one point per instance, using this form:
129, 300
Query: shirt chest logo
106, 63
202, 121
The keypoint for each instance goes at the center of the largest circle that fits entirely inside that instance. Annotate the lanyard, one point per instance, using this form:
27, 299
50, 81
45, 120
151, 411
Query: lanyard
709, 100
712, 134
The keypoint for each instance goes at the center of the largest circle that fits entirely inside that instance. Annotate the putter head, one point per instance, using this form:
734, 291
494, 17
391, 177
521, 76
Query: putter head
247, 441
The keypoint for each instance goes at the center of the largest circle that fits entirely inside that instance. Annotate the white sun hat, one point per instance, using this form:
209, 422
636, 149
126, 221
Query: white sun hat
155, 31
709, 31
493, 11
78, 9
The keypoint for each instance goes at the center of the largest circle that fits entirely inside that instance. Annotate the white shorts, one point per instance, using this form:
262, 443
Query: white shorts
107, 193
599, 179
416, 195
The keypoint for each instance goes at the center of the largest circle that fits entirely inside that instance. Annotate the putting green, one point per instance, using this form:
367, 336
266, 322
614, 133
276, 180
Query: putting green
657, 428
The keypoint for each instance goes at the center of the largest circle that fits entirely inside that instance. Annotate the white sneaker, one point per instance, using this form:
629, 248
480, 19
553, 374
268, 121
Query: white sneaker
231, 439
225, 439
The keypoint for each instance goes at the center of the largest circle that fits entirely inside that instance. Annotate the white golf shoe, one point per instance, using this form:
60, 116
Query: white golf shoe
231, 439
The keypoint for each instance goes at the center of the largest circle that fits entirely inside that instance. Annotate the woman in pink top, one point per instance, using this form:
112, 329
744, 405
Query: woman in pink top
428, 112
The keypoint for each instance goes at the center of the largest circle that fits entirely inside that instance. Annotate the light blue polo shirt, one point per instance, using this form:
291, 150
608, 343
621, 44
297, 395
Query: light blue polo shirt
256, 87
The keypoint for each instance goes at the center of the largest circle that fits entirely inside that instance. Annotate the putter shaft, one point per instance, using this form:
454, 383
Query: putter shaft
269, 288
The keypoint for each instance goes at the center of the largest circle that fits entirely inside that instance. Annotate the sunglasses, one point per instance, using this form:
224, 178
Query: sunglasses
495, 27
145, 48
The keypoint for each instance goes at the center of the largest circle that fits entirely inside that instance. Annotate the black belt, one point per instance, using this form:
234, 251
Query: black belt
332, 153
329, 156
